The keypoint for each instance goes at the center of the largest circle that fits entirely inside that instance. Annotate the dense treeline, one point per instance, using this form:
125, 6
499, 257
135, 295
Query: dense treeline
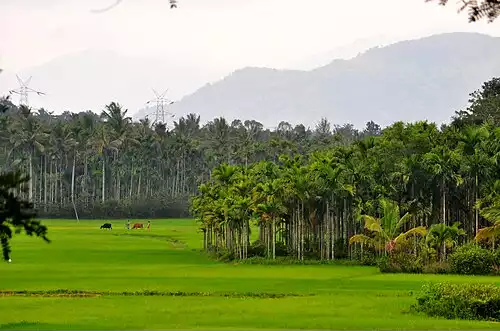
104, 165
413, 181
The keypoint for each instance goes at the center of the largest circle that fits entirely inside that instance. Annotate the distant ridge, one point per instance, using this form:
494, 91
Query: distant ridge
427, 78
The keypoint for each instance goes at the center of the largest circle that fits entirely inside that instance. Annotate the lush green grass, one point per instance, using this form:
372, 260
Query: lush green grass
83, 257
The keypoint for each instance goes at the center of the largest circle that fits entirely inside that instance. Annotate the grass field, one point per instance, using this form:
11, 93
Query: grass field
83, 257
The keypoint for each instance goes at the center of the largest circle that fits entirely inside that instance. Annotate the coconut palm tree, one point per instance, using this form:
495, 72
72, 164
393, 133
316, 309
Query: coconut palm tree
492, 214
442, 236
386, 232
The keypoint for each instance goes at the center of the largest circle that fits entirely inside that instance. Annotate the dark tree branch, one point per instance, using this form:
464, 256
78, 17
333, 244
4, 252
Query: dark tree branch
16, 213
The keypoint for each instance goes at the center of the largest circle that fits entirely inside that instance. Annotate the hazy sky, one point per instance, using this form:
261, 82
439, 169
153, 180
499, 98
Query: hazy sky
218, 36
217, 33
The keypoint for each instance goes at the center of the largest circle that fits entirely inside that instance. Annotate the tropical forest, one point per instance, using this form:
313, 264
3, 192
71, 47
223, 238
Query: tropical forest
327, 193
413, 198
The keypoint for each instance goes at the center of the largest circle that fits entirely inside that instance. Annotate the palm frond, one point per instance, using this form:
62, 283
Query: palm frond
488, 232
372, 224
361, 239
418, 231
403, 220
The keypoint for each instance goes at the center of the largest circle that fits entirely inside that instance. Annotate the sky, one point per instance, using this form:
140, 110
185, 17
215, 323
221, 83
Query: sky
216, 37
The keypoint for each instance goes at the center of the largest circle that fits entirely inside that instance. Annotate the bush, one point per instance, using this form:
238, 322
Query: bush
497, 257
436, 268
366, 257
257, 248
460, 301
400, 262
340, 248
222, 255
403, 259
471, 260
294, 261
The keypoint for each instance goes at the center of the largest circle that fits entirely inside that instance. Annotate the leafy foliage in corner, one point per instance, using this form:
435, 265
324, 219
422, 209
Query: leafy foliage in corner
460, 301
16, 213
472, 260
478, 9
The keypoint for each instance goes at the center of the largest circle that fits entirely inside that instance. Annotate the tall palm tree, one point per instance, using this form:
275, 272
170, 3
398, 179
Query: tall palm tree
471, 140
28, 136
443, 164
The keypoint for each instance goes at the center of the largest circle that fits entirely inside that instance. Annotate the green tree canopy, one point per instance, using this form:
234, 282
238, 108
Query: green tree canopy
484, 105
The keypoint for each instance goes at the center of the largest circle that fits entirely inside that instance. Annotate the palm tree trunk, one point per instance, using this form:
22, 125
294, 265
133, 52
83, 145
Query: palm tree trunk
139, 184
131, 181
73, 187
103, 179
274, 237
45, 183
30, 194
476, 188
444, 219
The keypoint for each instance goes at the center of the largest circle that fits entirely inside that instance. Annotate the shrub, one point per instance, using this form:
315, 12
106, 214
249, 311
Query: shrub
460, 301
366, 256
294, 261
472, 260
367, 259
497, 257
340, 248
400, 262
222, 255
436, 268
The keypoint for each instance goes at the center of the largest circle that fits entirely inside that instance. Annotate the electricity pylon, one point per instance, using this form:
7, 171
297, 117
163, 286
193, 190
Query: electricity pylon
23, 91
161, 103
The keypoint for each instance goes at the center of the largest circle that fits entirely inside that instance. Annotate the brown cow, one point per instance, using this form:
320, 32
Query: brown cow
138, 226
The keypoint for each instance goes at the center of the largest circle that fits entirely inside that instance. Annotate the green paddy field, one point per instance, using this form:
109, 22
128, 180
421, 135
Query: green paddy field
113, 269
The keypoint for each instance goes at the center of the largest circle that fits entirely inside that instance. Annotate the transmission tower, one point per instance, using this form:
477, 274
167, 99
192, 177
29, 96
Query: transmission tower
161, 107
23, 91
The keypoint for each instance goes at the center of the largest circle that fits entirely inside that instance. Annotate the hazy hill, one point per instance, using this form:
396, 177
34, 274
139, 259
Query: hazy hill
428, 78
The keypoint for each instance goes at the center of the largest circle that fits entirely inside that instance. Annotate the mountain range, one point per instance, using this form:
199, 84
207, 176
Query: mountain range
427, 78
